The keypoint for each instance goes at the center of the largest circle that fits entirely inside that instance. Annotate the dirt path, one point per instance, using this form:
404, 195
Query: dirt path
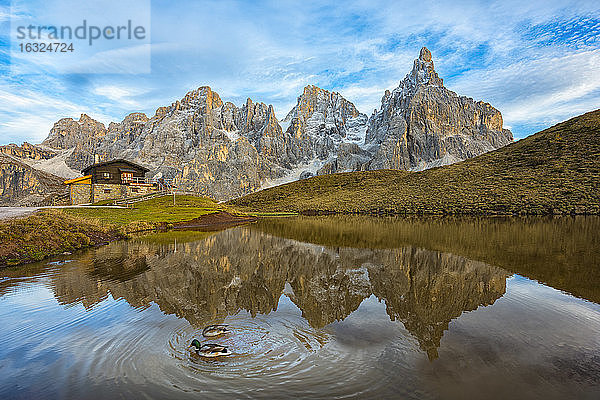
14, 212
216, 221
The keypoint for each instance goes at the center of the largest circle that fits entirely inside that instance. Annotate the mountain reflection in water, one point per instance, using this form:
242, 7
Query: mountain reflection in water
242, 269
425, 273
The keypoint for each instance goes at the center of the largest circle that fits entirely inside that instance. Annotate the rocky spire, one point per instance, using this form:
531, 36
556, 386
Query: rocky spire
67, 133
423, 72
314, 99
421, 124
203, 97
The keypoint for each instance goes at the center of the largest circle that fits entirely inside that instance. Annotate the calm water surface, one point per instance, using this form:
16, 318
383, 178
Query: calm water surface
321, 307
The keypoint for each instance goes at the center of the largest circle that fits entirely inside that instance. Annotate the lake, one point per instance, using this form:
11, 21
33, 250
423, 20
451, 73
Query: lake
319, 307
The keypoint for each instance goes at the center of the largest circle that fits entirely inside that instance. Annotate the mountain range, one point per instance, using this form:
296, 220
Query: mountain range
555, 171
218, 149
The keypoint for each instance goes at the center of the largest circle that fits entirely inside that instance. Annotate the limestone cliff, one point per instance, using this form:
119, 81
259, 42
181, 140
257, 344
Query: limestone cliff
422, 124
82, 135
324, 119
27, 150
22, 185
212, 148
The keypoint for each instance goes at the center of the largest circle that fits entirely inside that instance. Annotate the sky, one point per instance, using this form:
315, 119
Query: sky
538, 62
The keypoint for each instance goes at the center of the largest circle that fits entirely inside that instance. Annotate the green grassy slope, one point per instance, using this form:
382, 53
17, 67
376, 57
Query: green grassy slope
555, 171
160, 209
50, 232
54, 231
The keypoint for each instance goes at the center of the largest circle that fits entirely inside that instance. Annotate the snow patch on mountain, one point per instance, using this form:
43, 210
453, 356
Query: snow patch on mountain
285, 123
233, 135
447, 159
308, 169
356, 130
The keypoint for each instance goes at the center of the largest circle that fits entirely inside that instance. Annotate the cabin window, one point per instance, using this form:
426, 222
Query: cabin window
106, 175
106, 190
126, 177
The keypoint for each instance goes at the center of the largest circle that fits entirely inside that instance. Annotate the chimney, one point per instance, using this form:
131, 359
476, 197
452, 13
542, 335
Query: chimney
96, 158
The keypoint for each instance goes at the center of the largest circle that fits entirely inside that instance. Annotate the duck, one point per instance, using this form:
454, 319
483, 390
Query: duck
215, 330
208, 349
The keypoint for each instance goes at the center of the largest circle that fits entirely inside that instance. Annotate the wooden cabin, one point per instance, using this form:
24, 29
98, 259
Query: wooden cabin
110, 180
116, 172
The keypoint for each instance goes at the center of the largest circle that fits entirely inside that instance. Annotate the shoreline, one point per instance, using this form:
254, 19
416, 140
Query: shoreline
444, 213
39, 241
41, 235
215, 221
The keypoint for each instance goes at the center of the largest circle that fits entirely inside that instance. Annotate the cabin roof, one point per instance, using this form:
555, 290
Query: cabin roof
78, 179
120, 160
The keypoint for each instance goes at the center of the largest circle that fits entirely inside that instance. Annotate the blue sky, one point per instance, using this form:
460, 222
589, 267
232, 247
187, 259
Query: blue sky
538, 62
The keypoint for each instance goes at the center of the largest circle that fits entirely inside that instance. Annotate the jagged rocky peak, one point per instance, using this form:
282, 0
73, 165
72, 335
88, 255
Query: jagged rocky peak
131, 120
130, 128
203, 98
252, 120
86, 119
198, 101
68, 133
160, 112
319, 112
83, 135
421, 124
314, 99
228, 117
258, 119
135, 118
423, 72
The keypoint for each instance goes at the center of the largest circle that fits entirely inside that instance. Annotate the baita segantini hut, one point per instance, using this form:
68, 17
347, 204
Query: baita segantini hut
116, 179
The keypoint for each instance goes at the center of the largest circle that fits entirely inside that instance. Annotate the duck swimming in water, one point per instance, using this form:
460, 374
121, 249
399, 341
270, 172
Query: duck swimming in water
209, 349
215, 330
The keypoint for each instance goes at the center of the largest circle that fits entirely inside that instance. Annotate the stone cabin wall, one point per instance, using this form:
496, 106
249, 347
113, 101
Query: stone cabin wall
81, 193
138, 190
108, 191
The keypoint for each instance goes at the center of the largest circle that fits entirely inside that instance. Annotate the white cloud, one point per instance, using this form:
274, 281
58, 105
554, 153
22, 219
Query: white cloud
122, 95
29, 115
546, 90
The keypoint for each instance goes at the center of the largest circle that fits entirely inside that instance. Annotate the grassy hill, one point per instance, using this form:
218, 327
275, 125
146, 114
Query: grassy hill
555, 171
153, 211
54, 231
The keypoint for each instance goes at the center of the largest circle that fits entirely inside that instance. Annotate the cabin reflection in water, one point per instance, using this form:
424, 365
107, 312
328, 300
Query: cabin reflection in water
213, 275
